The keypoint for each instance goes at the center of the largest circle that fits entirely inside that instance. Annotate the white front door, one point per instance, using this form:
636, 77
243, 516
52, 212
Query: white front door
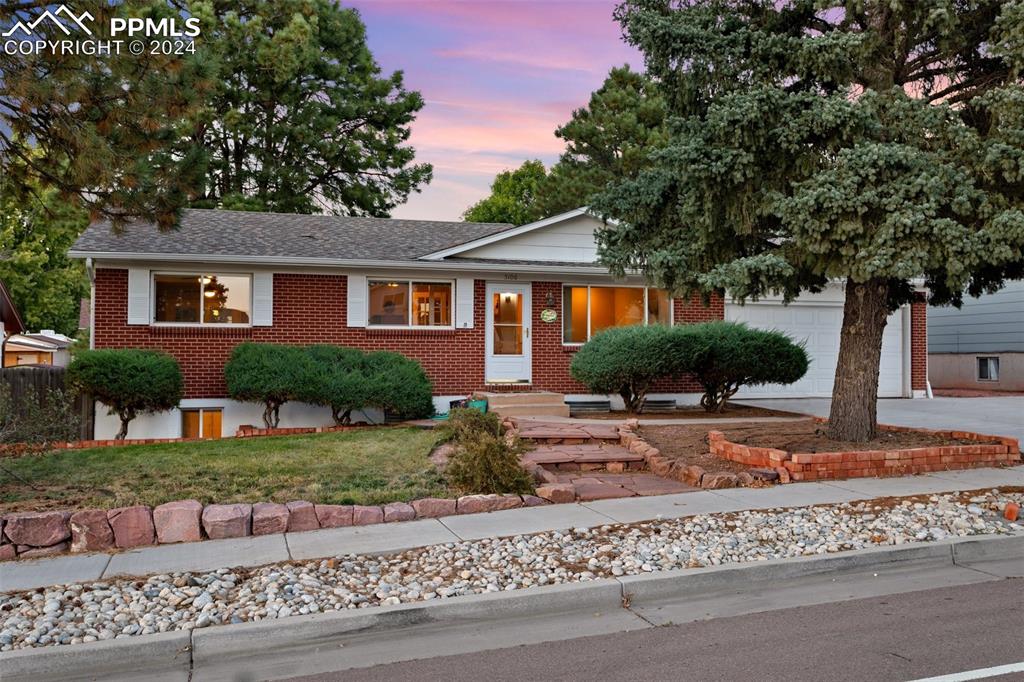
508, 333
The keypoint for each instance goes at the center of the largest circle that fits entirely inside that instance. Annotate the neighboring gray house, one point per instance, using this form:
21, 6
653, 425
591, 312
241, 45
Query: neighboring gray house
981, 345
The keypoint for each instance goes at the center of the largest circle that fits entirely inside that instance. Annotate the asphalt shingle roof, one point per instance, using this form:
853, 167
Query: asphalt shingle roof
283, 235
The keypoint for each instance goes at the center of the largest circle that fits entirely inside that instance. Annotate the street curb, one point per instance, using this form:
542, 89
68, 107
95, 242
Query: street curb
163, 656
221, 644
998, 548
682, 582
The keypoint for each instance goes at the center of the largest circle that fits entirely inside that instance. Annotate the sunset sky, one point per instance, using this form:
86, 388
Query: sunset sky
498, 77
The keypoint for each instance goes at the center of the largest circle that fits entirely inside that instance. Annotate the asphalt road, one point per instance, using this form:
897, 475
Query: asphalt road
898, 637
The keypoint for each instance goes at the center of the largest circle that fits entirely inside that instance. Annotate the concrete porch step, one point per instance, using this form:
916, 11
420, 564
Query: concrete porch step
531, 410
525, 398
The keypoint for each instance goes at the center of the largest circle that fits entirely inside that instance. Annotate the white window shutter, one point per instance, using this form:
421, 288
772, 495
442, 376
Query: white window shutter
356, 301
138, 296
263, 299
464, 303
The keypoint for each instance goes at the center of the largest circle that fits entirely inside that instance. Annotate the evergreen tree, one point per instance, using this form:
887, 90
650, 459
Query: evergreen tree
302, 120
609, 139
878, 142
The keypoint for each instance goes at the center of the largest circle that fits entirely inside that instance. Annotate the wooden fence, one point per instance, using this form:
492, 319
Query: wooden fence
33, 383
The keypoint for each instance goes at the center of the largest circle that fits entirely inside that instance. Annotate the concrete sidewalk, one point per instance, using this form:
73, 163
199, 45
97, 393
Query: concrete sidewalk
392, 537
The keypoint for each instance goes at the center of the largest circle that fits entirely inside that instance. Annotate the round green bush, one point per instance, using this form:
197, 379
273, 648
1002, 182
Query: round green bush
399, 386
270, 374
128, 381
627, 361
724, 356
341, 381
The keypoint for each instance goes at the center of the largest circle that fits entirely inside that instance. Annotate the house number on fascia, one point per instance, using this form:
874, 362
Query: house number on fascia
511, 276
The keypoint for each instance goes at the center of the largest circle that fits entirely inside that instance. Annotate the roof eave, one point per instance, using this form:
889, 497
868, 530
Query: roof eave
333, 262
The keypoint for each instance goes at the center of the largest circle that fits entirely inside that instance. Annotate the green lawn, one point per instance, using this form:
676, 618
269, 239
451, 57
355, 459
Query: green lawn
369, 466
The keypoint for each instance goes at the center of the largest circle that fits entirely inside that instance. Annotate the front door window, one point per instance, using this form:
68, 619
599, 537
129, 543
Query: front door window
508, 323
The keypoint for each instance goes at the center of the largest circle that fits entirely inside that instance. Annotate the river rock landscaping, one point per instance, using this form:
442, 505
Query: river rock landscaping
125, 607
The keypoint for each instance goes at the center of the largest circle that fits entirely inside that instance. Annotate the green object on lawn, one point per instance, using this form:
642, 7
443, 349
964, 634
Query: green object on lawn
480, 405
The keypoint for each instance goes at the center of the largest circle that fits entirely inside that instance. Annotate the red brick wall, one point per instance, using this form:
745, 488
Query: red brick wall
312, 309
307, 309
918, 343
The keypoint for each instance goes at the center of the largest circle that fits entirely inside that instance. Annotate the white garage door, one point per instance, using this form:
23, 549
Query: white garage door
818, 326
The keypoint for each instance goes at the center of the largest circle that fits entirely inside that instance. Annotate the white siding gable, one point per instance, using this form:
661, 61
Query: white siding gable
570, 241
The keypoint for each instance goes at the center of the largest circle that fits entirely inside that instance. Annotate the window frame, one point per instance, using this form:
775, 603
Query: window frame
202, 310
410, 281
647, 311
201, 411
991, 361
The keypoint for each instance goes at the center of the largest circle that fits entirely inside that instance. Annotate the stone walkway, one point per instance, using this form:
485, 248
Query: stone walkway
392, 537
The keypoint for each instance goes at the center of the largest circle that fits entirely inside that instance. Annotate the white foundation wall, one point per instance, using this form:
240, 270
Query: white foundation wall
235, 414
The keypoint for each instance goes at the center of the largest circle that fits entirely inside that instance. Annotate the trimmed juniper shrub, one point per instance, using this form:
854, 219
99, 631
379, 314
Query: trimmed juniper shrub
270, 374
725, 356
128, 381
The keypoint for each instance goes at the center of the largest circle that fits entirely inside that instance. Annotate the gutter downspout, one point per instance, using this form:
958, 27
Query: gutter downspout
91, 271
908, 330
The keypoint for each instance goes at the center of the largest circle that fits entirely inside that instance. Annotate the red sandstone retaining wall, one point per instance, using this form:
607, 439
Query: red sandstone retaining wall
37, 534
812, 466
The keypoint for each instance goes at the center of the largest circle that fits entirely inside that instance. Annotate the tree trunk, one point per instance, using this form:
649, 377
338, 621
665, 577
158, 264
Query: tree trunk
125, 416
855, 393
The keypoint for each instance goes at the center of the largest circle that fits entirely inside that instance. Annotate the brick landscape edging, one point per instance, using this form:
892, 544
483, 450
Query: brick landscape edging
813, 466
36, 534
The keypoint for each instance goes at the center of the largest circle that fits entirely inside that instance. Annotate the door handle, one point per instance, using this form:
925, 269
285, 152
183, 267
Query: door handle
527, 332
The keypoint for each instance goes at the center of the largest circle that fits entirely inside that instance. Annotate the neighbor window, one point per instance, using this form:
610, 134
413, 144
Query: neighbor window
988, 369
587, 310
201, 298
405, 303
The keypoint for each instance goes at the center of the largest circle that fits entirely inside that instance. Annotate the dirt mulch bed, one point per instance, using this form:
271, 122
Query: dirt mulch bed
695, 412
689, 445
809, 436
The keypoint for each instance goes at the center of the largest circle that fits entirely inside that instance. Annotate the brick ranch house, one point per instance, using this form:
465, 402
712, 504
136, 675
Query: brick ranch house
481, 306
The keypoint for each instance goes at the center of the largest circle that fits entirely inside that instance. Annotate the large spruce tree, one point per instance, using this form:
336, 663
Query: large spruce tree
875, 142
302, 120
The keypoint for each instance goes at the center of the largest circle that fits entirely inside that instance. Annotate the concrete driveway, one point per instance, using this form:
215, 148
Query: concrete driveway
1002, 416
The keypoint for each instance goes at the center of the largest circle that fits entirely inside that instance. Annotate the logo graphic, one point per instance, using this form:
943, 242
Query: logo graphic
52, 17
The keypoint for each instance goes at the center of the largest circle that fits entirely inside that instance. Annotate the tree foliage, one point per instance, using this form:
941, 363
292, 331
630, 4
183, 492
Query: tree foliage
609, 139
36, 232
341, 381
128, 381
302, 120
725, 356
269, 373
101, 129
513, 197
399, 386
876, 142
626, 361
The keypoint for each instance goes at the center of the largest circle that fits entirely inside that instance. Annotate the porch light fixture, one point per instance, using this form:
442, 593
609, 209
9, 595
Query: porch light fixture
549, 302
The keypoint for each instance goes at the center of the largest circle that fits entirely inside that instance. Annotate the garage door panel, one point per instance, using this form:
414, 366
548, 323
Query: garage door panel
818, 327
